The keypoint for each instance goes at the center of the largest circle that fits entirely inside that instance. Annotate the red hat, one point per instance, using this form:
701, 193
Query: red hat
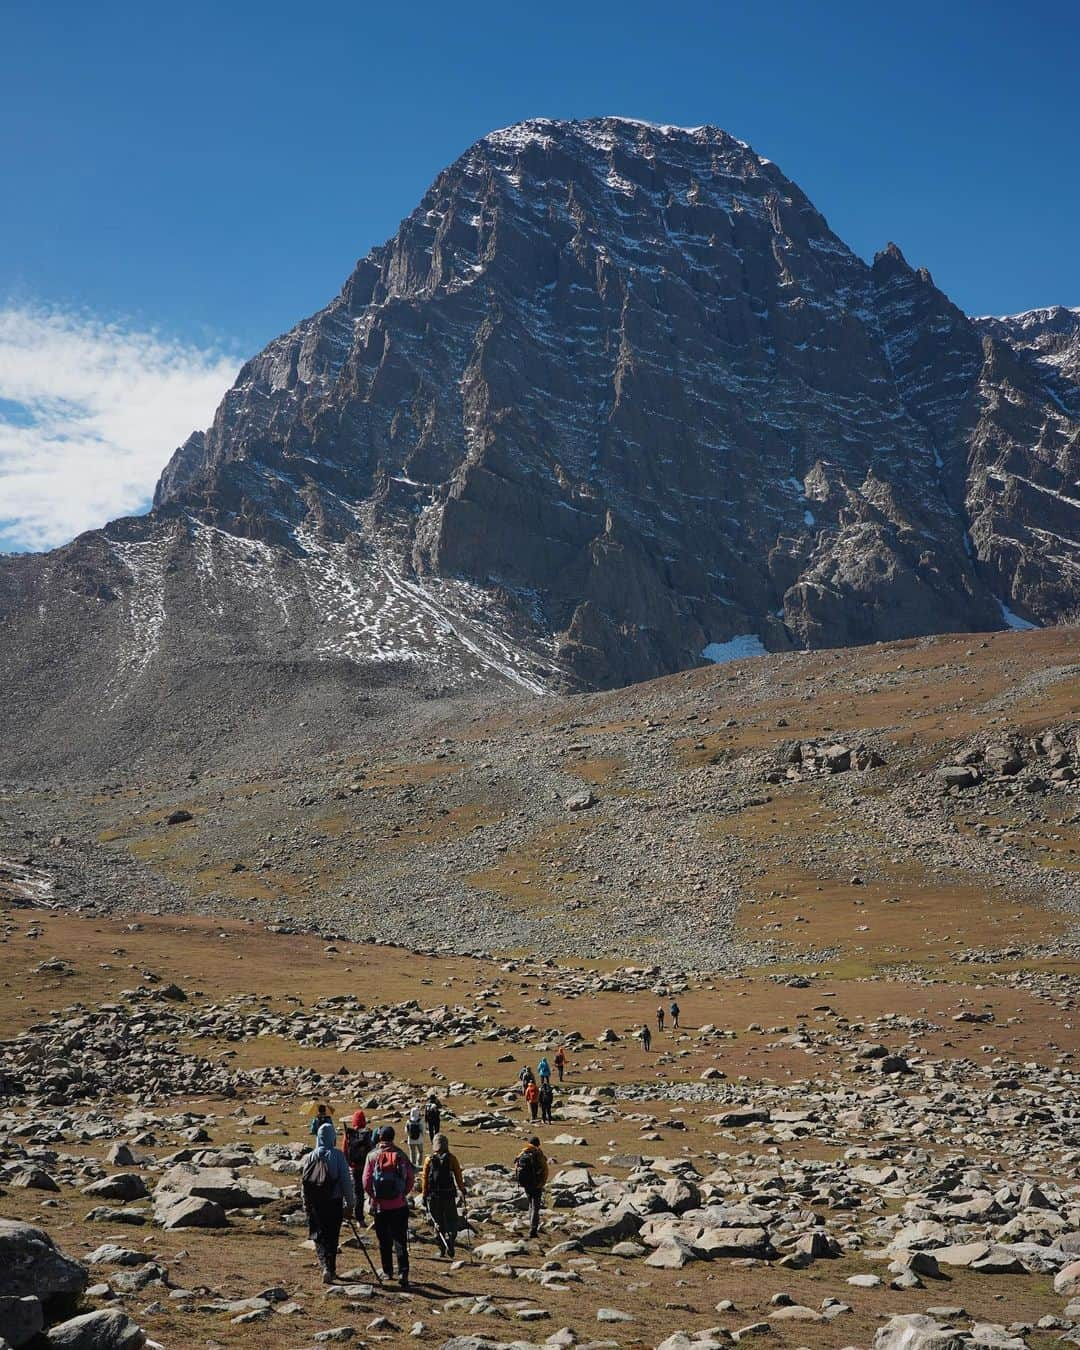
358, 1119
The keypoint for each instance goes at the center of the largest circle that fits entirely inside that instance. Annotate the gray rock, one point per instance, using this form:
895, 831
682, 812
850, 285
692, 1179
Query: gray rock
105, 1330
193, 1212
124, 1186
31, 1264
914, 1331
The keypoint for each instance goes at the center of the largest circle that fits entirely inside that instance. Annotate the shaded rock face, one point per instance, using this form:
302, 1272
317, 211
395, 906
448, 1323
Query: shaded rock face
31, 1266
613, 392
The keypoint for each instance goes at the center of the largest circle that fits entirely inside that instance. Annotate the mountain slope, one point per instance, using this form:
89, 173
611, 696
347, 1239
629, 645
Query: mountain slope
614, 394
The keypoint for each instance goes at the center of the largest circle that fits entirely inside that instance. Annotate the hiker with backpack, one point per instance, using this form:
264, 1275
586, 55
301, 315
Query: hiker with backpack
544, 1070
439, 1188
327, 1188
531, 1174
432, 1117
560, 1062
547, 1098
358, 1144
660, 1018
532, 1096
525, 1077
674, 1010
414, 1133
388, 1179
646, 1038
321, 1117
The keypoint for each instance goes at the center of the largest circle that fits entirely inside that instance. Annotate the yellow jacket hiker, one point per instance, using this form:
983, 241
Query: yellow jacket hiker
531, 1174
439, 1187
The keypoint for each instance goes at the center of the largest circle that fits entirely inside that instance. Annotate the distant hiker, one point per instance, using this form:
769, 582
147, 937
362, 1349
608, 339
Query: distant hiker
432, 1117
532, 1096
439, 1187
646, 1037
544, 1069
547, 1098
660, 1018
327, 1187
525, 1077
321, 1117
531, 1174
388, 1179
358, 1144
414, 1132
560, 1062
674, 1010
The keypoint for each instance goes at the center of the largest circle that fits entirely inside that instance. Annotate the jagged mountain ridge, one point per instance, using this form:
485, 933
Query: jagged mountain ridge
613, 394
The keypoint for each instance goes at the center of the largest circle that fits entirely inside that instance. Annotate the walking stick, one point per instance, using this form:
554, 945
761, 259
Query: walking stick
363, 1247
442, 1236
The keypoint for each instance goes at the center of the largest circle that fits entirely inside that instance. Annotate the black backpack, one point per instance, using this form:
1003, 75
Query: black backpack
357, 1145
527, 1170
316, 1179
440, 1174
432, 1117
414, 1128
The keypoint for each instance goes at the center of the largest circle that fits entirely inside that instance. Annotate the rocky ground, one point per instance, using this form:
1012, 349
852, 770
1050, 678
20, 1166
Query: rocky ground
808, 1158
857, 874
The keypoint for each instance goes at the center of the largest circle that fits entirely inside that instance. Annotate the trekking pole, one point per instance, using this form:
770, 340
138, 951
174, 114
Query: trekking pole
363, 1247
438, 1230
467, 1241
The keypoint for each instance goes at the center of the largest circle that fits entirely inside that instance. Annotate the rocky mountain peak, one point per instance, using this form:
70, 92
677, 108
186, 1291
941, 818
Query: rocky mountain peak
614, 395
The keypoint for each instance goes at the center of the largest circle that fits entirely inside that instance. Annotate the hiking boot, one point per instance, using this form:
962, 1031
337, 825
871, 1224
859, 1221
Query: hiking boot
403, 1283
329, 1277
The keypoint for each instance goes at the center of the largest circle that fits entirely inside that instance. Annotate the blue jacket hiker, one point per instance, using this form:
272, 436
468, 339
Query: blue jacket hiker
327, 1187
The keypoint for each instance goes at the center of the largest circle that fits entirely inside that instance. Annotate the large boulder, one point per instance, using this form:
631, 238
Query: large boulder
220, 1184
125, 1186
108, 1329
31, 1264
679, 1195
1067, 1280
734, 1243
622, 1222
20, 1319
913, 1331
192, 1212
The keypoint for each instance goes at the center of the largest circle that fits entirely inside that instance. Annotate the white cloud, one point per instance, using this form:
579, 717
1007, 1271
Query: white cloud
89, 414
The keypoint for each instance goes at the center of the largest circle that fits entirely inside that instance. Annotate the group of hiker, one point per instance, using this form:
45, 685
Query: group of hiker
645, 1035
540, 1095
371, 1169
370, 1166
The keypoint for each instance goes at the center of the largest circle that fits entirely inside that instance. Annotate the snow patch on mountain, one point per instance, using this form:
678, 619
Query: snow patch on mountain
735, 649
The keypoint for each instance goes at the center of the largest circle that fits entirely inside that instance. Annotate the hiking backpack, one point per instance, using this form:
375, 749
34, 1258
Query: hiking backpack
317, 1179
414, 1128
357, 1145
440, 1174
388, 1176
527, 1170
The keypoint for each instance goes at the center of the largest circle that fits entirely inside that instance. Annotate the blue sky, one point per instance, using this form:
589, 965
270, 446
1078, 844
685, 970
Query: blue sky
206, 174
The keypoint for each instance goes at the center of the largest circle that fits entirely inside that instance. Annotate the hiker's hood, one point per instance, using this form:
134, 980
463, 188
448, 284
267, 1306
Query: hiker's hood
327, 1136
358, 1120
414, 1114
